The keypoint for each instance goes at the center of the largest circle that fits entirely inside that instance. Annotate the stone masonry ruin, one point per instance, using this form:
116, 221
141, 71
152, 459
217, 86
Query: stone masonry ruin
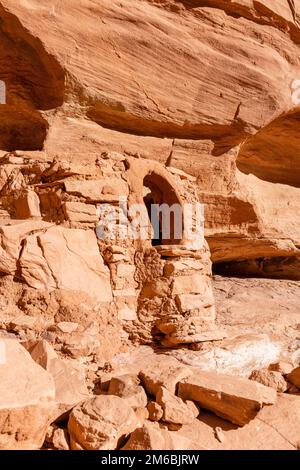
149, 225
159, 293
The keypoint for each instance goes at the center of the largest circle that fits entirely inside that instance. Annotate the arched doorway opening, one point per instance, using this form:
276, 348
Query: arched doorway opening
164, 210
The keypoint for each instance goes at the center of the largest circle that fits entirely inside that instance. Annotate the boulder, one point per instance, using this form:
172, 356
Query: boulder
151, 437
27, 394
101, 423
146, 438
69, 377
86, 341
174, 409
155, 411
127, 386
235, 399
271, 379
70, 385
165, 372
57, 438
60, 439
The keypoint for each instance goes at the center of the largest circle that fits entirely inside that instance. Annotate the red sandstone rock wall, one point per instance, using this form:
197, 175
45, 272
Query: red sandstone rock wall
100, 98
203, 86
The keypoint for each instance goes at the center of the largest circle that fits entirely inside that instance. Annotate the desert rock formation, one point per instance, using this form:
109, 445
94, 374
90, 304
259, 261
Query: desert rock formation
149, 342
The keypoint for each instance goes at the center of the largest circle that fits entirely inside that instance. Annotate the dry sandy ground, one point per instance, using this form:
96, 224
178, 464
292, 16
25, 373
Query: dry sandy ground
259, 305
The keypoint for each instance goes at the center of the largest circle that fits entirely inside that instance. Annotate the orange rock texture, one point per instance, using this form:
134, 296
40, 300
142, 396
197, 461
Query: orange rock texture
112, 104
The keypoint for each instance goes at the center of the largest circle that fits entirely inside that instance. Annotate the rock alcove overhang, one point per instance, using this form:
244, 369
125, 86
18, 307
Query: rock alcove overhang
272, 154
34, 82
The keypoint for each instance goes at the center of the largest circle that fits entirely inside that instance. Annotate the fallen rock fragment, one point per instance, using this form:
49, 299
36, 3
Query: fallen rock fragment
219, 434
84, 342
275, 427
27, 394
126, 386
174, 409
60, 439
193, 407
235, 399
101, 423
70, 385
271, 379
152, 437
155, 411
146, 438
57, 438
69, 377
165, 372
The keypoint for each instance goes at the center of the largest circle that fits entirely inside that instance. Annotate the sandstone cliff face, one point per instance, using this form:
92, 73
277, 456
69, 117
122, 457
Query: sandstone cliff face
98, 77
173, 101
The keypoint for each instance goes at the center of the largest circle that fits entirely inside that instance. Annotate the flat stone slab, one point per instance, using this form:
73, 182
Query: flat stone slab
235, 399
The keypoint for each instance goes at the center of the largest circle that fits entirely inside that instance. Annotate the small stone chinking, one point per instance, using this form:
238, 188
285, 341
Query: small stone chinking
116, 334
